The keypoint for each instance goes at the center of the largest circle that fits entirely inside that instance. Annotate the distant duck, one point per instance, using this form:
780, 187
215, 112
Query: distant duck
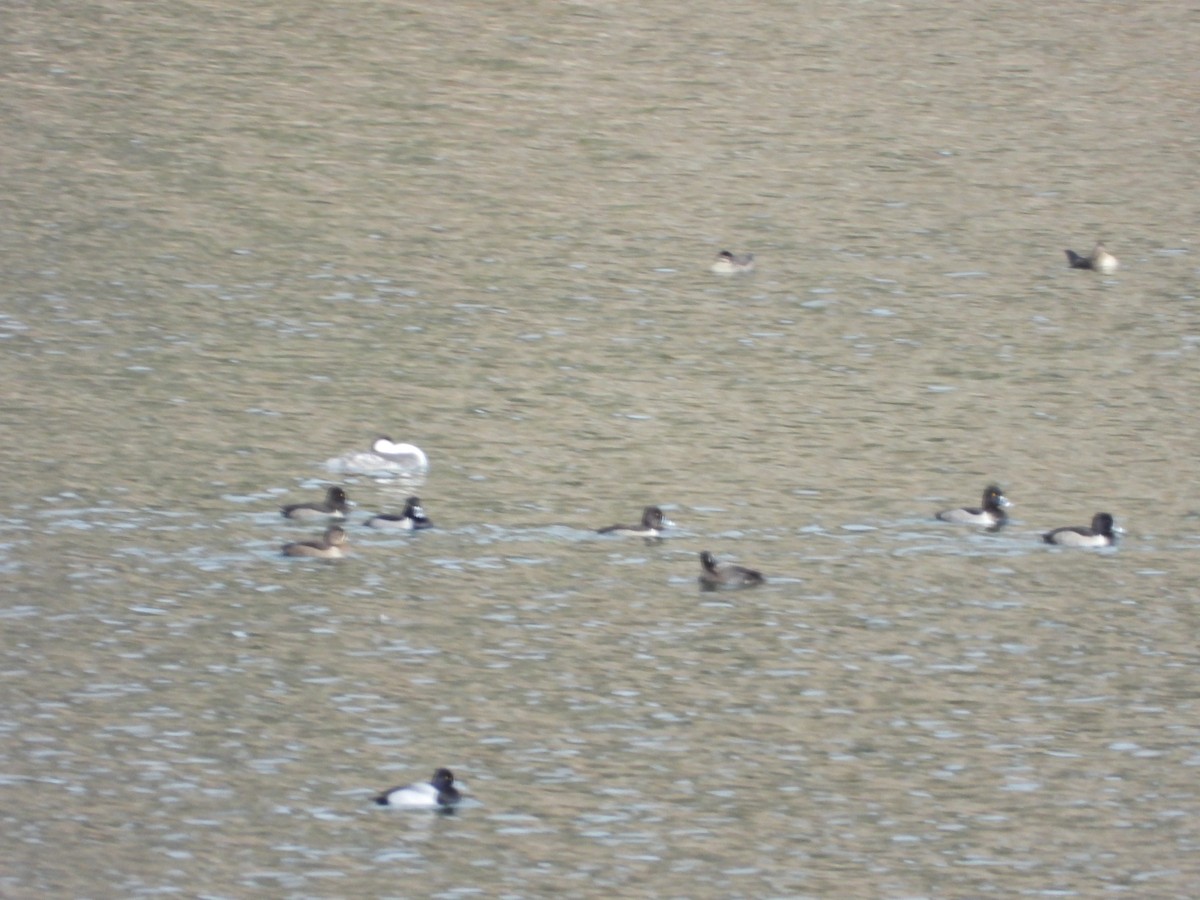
1100, 261
714, 576
1102, 533
330, 546
991, 514
412, 519
437, 793
335, 505
653, 522
728, 263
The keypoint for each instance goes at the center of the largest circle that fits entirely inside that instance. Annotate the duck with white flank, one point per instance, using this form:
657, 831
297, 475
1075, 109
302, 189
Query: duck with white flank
1102, 533
1100, 261
412, 519
437, 793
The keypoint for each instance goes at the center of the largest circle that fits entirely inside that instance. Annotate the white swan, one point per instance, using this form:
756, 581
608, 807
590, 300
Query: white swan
386, 457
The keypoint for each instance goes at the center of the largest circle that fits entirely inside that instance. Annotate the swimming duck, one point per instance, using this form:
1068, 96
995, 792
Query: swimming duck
991, 514
652, 524
1102, 533
335, 505
437, 793
1101, 260
714, 576
412, 519
728, 263
328, 547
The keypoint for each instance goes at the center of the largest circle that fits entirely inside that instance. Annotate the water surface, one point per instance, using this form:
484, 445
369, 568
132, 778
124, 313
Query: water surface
239, 243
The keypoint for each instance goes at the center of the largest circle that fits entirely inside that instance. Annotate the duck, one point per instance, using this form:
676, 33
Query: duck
729, 263
335, 506
1102, 533
714, 576
330, 546
1100, 261
437, 793
653, 522
990, 514
412, 519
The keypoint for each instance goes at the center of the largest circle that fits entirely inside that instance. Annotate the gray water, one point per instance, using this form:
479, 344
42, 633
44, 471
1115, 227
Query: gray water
239, 242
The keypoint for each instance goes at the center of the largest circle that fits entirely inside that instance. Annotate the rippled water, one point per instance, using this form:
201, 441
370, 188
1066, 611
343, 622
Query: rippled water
240, 243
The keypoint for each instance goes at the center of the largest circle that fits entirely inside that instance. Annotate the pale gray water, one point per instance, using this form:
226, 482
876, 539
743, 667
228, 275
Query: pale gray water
240, 242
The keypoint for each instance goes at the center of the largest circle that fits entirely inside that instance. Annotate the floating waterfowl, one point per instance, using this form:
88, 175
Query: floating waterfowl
412, 519
334, 506
1102, 533
652, 524
729, 263
714, 576
1100, 260
437, 793
991, 514
330, 546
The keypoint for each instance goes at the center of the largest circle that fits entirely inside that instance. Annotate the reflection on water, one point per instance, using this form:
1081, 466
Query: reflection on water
246, 243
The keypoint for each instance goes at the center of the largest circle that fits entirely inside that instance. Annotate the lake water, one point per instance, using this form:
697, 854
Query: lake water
240, 242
